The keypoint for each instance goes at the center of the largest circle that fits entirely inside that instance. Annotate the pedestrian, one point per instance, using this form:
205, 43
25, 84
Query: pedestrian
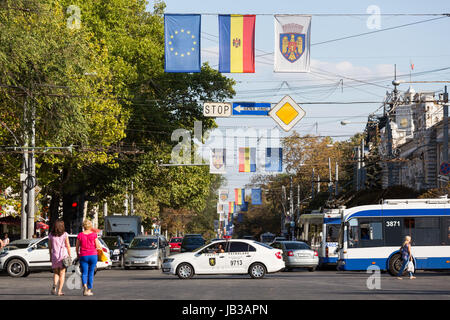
1, 244
5, 239
405, 250
86, 248
59, 248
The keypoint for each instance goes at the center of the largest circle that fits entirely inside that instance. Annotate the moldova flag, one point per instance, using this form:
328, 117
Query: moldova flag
247, 159
239, 196
231, 206
237, 43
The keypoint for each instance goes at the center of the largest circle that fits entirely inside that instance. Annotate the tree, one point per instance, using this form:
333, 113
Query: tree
47, 72
157, 102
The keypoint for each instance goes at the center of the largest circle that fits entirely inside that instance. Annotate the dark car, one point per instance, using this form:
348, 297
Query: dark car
116, 247
191, 242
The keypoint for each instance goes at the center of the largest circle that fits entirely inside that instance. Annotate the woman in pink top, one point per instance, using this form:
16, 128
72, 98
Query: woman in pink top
87, 245
59, 247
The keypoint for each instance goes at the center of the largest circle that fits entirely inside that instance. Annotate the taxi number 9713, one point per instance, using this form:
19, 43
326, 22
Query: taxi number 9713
236, 263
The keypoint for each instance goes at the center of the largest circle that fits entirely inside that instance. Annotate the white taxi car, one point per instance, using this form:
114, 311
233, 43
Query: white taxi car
21, 257
235, 256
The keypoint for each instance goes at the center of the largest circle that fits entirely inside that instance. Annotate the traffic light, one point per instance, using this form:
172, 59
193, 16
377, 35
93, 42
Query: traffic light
74, 204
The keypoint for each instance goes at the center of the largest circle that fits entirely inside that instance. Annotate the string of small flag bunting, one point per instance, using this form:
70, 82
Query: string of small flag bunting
231, 206
236, 43
247, 160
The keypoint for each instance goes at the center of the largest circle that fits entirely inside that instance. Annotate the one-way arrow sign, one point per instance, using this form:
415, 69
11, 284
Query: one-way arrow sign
250, 109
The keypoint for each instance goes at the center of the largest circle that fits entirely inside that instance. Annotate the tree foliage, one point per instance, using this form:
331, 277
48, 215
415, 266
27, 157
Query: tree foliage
102, 88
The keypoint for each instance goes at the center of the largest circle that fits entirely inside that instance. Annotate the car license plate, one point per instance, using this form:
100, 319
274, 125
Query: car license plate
138, 261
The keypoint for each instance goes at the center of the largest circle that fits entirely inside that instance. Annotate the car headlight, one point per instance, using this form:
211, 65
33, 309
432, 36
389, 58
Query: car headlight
168, 260
116, 251
3, 254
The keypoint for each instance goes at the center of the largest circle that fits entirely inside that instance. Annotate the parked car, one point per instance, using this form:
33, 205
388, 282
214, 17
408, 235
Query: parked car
117, 249
277, 239
297, 254
21, 257
175, 244
191, 242
146, 251
226, 257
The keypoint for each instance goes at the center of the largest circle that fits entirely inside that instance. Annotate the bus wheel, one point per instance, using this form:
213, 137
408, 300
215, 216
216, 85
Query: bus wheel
395, 263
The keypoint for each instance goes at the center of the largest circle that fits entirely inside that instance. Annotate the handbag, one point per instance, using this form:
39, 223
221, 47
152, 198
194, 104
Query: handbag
66, 261
410, 267
101, 255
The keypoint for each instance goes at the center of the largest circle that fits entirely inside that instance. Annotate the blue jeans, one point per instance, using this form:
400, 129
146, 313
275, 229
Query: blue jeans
402, 269
87, 265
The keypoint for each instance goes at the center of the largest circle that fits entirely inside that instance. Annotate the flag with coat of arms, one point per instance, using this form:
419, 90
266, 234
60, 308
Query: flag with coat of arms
292, 43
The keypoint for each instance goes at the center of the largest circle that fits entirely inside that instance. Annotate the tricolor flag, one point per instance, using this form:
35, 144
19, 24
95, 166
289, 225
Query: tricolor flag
247, 159
292, 42
237, 43
182, 42
274, 159
231, 206
239, 196
256, 196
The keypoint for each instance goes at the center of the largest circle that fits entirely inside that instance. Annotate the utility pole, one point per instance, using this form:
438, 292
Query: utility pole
312, 184
31, 176
132, 199
105, 209
284, 211
329, 177
358, 168
298, 206
291, 199
336, 190
363, 175
445, 146
23, 209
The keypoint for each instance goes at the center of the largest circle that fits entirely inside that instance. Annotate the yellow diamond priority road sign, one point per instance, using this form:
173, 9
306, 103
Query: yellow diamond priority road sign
287, 113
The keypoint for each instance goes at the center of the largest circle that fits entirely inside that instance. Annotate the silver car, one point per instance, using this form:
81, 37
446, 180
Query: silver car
146, 251
297, 254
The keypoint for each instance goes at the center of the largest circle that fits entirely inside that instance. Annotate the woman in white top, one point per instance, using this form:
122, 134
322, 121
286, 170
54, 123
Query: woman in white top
5, 240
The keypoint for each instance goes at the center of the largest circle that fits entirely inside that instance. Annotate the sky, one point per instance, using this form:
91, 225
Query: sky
355, 69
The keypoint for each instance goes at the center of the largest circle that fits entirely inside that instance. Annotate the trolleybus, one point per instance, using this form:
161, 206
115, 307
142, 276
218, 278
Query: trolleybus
321, 231
372, 235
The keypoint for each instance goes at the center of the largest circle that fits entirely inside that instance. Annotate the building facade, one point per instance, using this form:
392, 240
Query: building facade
416, 139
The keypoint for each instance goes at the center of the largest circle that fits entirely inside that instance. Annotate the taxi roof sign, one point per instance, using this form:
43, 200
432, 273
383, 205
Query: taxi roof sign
287, 113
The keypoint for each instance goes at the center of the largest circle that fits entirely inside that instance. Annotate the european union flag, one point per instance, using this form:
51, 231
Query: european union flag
182, 42
274, 159
256, 196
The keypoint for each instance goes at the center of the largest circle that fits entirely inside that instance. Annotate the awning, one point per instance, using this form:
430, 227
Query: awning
10, 220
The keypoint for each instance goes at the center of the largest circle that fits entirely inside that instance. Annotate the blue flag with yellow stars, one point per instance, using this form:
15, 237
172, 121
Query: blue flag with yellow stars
182, 42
